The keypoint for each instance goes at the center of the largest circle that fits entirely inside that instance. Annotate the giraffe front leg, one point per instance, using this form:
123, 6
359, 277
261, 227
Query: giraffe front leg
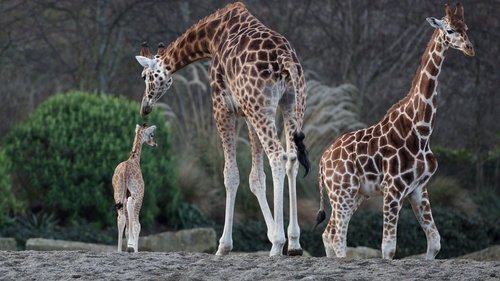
392, 206
419, 200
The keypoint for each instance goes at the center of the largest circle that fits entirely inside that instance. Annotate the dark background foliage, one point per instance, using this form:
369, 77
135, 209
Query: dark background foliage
49, 47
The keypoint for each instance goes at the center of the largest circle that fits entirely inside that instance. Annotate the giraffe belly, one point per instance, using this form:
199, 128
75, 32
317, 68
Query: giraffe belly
370, 188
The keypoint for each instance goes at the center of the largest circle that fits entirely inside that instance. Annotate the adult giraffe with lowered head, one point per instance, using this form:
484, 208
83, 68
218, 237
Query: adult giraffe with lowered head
254, 71
392, 158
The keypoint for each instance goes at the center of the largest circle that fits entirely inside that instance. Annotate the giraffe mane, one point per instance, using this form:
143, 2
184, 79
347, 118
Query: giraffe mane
222, 11
218, 13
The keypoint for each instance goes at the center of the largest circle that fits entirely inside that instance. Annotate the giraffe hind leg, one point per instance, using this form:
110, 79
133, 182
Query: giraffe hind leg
328, 235
342, 210
292, 166
121, 222
227, 131
257, 180
131, 237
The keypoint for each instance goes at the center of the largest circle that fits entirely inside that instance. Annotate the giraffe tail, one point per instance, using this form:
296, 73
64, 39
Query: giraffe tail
290, 68
321, 215
298, 139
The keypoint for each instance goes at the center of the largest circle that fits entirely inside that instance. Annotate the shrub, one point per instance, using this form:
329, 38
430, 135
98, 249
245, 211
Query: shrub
8, 203
44, 225
447, 192
250, 236
64, 155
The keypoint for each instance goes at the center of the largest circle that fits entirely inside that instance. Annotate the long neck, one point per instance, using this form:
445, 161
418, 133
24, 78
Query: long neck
421, 102
200, 40
135, 154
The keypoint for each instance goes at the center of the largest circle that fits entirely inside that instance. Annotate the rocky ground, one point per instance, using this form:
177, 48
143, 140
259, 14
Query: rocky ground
91, 265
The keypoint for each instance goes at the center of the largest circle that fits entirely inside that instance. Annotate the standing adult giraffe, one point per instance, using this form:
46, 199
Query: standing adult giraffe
392, 158
254, 71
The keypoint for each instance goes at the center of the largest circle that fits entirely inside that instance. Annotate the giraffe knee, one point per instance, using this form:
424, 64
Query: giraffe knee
257, 186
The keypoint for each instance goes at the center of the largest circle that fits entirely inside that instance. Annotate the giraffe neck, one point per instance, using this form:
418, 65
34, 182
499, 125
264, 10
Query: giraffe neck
423, 94
135, 154
201, 40
421, 102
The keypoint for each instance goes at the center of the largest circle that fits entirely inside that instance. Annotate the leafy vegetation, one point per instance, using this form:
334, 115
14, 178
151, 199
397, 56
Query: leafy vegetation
8, 203
63, 157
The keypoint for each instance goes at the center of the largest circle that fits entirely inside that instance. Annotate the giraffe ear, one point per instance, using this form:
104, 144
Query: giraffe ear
434, 22
145, 62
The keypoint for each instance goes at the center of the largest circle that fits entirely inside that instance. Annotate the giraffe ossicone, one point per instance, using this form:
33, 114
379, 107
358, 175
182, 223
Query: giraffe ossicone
392, 158
254, 71
128, 189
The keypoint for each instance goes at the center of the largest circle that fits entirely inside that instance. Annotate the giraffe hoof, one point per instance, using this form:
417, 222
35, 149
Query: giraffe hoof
295, 252
130, 249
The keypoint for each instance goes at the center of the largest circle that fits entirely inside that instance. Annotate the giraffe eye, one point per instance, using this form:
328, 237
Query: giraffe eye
450, 31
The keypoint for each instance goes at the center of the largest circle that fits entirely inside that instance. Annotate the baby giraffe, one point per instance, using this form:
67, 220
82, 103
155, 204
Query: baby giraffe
127, 181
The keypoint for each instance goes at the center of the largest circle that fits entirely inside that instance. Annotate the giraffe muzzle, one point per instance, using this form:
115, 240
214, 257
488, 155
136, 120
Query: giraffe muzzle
146, 106
469, 50
145, 110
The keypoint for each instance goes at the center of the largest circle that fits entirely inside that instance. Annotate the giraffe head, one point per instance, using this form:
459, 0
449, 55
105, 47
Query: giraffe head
157, 78
146, 133
453, 29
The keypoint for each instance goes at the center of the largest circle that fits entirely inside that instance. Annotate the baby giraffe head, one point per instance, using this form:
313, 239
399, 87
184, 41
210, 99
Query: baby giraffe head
157, 78
453, 29
146, 134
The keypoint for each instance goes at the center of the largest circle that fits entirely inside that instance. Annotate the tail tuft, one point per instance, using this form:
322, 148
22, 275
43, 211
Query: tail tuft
320, 217
298, 139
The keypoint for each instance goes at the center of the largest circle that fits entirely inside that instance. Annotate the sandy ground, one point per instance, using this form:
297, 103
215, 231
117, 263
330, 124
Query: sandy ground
85, 265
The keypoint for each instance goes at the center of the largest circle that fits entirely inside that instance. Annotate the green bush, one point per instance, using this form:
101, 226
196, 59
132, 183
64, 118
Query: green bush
250, 236
470, 170
8, 203
64, 155
447, 192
